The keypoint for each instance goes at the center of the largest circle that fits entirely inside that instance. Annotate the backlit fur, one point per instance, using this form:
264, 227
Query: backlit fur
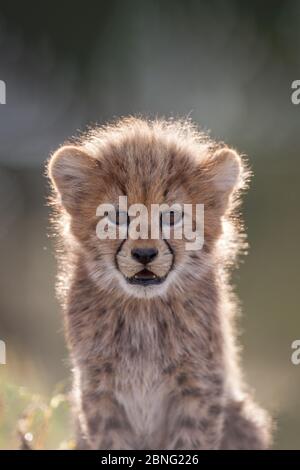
155, 367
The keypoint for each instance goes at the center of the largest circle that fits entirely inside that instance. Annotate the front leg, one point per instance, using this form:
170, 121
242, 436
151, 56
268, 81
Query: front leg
196, 412
103, 421
246, 427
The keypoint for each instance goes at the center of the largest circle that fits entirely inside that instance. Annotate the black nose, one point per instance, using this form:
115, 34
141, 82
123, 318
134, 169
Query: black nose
144, 255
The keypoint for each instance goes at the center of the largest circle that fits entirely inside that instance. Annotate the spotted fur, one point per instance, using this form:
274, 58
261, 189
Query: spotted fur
155, 367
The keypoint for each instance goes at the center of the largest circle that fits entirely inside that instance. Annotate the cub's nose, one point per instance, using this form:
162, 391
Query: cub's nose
144, 255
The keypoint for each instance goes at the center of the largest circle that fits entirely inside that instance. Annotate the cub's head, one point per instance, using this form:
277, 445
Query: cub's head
144, 204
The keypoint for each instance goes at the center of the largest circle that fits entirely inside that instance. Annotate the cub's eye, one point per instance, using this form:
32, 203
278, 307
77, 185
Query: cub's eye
118, 217
171, 218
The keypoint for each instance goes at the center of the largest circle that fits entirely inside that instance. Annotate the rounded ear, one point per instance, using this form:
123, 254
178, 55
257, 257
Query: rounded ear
70, 170
224, 174
228, 170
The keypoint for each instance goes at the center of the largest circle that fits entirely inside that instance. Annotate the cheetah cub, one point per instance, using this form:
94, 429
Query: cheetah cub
148, 320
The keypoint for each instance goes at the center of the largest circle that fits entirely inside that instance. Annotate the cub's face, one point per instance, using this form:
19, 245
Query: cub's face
140, 244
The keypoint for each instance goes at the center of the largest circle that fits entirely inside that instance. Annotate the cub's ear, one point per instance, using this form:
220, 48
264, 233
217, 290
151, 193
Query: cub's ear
226, 174
228, 170
71, 170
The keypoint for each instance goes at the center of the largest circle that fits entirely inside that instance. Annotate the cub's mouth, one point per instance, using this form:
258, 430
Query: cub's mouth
145, 277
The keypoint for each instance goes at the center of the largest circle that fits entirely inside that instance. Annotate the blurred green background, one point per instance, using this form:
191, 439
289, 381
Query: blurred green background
227, 65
